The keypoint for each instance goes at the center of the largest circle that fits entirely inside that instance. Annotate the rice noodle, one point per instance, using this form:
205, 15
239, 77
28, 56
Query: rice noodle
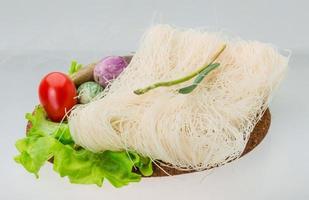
205, 128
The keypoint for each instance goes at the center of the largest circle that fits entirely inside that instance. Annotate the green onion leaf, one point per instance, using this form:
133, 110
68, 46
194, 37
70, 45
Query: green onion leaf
75, 67
198, 79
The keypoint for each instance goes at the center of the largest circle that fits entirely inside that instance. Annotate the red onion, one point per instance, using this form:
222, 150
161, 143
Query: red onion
108, 69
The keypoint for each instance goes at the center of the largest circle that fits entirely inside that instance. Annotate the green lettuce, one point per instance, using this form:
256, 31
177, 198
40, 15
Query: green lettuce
47, 140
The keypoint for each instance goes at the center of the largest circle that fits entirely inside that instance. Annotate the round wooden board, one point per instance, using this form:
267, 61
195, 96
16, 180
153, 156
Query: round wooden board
257, 135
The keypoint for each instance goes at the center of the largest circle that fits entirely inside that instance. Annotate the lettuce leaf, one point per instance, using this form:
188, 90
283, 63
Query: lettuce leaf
46, 140
34, 152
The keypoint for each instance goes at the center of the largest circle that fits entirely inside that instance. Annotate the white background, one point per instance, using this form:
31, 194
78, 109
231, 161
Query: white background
38, 36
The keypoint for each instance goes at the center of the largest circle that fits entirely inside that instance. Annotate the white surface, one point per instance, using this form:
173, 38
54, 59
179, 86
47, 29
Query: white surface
37, 37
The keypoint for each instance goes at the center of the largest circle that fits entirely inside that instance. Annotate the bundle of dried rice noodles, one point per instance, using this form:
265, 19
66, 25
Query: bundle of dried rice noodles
202, 129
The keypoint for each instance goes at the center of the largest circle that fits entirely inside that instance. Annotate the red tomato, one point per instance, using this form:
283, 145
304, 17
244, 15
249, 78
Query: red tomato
57, 95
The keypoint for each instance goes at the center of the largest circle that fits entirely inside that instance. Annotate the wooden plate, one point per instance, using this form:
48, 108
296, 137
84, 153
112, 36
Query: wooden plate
256, 136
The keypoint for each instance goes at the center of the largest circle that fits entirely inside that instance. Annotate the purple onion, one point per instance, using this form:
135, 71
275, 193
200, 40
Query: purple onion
108, 69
